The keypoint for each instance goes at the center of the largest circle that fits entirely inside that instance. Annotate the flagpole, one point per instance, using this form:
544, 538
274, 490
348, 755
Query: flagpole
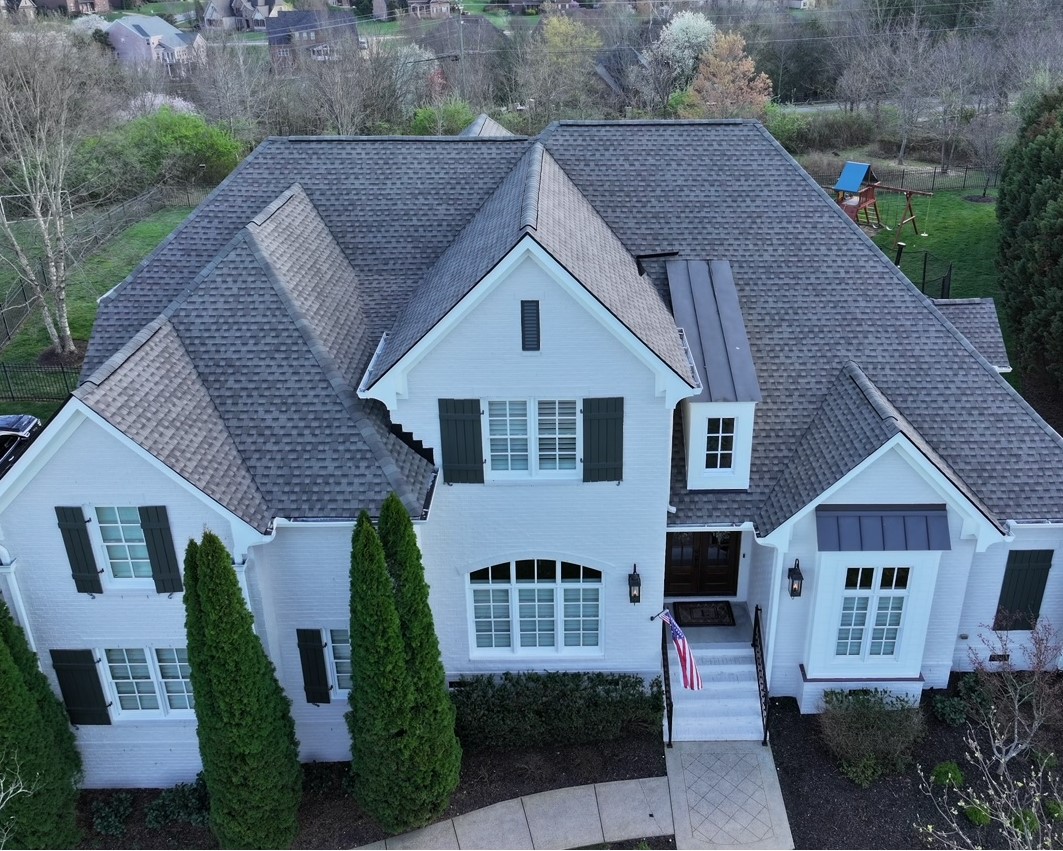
661, 612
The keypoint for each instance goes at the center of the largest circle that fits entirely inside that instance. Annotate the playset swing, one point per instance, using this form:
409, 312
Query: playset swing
856, 194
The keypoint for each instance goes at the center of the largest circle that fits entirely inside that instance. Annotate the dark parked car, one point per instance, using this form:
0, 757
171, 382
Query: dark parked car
16, 433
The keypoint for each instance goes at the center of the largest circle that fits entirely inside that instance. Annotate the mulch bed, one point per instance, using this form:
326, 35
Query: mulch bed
827, 810
50, 357
330, 818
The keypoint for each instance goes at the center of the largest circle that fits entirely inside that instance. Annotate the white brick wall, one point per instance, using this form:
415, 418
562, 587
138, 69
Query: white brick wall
92, 468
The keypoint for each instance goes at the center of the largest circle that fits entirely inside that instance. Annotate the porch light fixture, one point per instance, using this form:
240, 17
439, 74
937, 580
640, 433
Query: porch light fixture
634, 585
795, 578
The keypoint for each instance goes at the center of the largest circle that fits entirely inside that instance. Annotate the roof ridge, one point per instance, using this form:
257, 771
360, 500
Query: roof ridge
529, 203
351, 403
138, 340
878, 400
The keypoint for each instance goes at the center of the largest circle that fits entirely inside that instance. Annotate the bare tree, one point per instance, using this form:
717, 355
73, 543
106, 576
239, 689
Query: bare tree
557, 69
988, 137
1020, 692
53, 95
1019, 806
236, 89
12, 784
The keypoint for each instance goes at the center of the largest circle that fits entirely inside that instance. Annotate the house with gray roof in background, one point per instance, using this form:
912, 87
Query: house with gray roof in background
603, 378
143, 39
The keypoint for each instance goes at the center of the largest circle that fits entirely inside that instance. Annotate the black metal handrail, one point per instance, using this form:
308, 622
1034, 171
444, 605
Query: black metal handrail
762, 676
665, 633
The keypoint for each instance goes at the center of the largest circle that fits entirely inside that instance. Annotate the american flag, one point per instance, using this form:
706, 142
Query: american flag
691, 677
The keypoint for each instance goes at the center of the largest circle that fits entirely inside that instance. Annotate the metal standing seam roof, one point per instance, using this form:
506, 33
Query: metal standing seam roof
877, 528
705, 306
815, 294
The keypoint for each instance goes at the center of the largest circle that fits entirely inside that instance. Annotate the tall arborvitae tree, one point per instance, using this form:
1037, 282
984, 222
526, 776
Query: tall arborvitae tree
197, 654
1030, 211
434, 747
246, 736
381, 697
43, 818
53, 713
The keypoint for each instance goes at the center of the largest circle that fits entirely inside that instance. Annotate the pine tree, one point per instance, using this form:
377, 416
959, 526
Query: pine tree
246, 733
381, 698
435, 750
44, 818
53, 713
1030, 211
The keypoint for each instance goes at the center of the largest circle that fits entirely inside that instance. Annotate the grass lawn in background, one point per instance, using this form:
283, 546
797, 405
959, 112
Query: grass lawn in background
100, 273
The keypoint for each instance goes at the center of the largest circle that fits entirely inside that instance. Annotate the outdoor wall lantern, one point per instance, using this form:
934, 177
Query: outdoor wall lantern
634, 585
795, 578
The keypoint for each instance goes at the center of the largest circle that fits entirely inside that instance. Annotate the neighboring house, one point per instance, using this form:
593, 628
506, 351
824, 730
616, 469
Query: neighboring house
317, 32
241, 14
24, 9
573, 357
429, 8
142, 39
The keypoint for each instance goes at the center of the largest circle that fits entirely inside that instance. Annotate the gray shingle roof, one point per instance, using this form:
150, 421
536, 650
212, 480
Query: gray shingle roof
815, 294
976, 319
485, 125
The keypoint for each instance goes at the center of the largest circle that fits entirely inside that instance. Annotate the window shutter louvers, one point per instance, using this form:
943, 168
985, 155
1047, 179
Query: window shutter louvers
79, 682
312, 657
529, 326
1023, 589
74, 526
603, 440
462, 441
164, 569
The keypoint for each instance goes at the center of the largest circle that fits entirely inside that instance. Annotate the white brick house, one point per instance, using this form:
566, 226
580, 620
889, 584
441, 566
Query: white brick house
569, 355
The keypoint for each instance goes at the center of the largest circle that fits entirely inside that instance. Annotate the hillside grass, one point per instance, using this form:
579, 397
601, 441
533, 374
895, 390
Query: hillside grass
100, 273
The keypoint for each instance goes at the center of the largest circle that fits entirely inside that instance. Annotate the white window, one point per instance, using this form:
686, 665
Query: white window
340, 658
530, 605
533, 437
155, 681
872, 611
123, 542
719, 443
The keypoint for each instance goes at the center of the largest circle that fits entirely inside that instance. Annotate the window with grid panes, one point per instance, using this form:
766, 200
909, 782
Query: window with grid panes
720, 443
156, 680
531, 604
123, 542
557, 434
872, 611
507, 428
176, 676
340, 657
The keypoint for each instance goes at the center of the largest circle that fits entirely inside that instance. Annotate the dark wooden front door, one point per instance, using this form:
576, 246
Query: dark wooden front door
702, 564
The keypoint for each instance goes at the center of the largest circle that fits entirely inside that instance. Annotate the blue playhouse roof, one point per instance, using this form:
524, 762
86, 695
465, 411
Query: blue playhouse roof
853, 176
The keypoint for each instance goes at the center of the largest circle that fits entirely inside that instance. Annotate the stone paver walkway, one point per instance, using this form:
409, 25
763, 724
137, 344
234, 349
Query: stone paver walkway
726, 795
722, 795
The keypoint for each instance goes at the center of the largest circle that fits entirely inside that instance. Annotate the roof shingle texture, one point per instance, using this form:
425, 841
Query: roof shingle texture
976, 319
815, 294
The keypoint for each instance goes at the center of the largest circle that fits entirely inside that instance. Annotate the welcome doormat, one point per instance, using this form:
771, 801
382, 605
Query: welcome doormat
712, 613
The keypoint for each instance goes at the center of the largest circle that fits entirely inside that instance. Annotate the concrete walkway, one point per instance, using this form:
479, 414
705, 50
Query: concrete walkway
717, 795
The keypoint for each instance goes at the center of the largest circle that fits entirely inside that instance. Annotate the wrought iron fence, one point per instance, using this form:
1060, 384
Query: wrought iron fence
925, 179
30, 383
932, 274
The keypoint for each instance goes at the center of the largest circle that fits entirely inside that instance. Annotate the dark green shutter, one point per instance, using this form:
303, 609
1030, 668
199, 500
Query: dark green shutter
161, 554
79, 681
312, 656
462, 441
73, 525
603, 440
529, 326
1023, 589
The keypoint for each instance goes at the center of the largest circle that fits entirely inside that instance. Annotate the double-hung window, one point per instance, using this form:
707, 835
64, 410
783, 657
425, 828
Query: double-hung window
149, 681
535, 606
533, 437
720, 443
340, 658
123, 542
872, 614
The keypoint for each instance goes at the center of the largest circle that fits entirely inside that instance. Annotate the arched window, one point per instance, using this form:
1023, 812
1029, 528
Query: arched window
536, 606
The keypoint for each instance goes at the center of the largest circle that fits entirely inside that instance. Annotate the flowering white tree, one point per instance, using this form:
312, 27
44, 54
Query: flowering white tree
681, 43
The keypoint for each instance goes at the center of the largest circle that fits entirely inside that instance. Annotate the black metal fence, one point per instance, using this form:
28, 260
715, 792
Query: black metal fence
30, 383
924, 179
932, 274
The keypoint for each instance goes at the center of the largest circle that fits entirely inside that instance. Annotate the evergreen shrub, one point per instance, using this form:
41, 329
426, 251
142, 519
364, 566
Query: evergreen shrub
110, 814
532, 709
870, 732
185, 803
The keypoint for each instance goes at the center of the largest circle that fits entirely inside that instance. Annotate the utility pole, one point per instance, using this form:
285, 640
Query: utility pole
461, 49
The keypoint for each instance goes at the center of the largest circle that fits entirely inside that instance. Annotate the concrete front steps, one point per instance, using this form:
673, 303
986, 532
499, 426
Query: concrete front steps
727, 709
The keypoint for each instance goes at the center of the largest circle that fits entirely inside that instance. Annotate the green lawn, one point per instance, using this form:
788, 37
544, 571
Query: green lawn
102, 271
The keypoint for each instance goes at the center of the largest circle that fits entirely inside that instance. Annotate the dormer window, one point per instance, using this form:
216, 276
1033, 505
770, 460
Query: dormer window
719, 443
